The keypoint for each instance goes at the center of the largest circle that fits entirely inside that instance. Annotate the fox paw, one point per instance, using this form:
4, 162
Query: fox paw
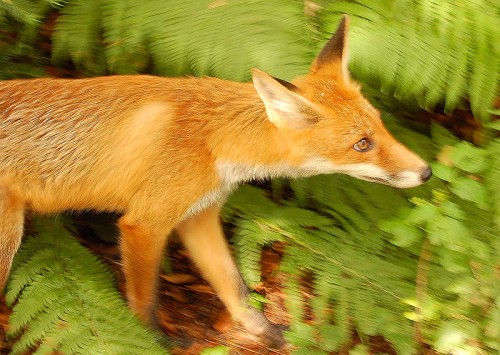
256, 323
273, 337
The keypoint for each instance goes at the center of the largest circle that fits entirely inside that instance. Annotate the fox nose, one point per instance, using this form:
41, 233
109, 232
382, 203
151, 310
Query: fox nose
426, 174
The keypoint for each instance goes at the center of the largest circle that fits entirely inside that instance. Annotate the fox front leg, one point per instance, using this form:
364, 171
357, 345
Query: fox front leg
204, 239
142, 247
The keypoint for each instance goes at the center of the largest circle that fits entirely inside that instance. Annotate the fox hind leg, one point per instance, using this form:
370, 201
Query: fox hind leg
204, 239
11, 230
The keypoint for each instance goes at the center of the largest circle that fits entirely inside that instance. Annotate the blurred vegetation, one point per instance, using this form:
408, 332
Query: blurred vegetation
419, 266
66, 300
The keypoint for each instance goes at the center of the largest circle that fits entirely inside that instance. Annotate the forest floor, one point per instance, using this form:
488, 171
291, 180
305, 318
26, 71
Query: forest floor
189, 312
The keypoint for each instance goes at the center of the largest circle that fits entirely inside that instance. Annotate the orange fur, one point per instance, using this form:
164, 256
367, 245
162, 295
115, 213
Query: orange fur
167, 151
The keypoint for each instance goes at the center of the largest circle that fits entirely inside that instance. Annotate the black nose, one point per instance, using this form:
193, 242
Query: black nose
426, 173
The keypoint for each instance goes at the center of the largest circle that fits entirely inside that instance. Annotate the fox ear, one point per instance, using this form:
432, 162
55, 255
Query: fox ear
335, 54
284, 107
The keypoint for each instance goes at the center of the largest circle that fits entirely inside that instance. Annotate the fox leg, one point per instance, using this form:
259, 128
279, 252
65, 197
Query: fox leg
142, 247
204, 239
11, 230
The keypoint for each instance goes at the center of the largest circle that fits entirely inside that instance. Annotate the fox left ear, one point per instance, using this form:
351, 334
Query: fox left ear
335, 54
284, 106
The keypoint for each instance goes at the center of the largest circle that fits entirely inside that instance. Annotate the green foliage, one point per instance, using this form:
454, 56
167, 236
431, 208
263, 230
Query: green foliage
432, 51
77, 37
175, 37
226, 38
65, 300
363, 248
19, 25
26, 12
458, 302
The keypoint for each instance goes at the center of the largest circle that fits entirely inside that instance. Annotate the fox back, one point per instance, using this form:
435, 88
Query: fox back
166, 152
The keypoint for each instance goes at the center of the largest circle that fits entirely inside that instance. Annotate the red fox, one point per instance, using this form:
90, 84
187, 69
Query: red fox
166, 152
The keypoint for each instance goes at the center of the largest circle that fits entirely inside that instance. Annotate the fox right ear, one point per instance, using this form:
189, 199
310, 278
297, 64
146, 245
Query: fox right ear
284, 107
335, 54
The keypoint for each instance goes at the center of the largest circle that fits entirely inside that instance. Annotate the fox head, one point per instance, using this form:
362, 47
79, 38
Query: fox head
334, 129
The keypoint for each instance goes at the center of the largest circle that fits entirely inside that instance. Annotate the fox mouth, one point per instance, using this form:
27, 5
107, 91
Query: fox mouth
397, 181
386, 181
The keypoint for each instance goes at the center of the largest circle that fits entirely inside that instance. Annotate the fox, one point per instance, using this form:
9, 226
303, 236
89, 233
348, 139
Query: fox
165, 153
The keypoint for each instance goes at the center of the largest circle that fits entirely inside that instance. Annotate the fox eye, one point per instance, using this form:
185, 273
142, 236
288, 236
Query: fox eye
363, 145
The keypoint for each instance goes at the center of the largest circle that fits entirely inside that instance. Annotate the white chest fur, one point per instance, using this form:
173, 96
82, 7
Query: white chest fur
211, 198
232, 174
236, 173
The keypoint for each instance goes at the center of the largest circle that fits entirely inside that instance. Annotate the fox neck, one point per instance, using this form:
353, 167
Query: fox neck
246, 145
257, 153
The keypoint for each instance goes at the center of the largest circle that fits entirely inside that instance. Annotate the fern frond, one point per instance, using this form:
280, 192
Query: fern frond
434, 52
249, 251
226, 39
223, 39
18, 10
76, 36
66, 301
124, 36
491, 178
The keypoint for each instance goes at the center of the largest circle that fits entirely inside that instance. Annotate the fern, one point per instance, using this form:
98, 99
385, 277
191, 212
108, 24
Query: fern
437, 53
434, 52
20, 22
216, 38
124, 33
77, 37
343, 271
64, 300
367, 274
19, 10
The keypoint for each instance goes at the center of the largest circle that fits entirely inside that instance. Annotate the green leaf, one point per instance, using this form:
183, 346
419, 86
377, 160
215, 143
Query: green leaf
442, 135
453, 261
494, 124
449, 338
469, 158
256, 300
431, 308
404, 234
447, 231
442, 171
301, 334
453, 210
331, 336
360, 349
422, 213
480, 249
470, 190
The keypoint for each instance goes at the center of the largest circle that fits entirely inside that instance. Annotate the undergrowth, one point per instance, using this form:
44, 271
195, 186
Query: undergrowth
435, 53
419, 272
65, 300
